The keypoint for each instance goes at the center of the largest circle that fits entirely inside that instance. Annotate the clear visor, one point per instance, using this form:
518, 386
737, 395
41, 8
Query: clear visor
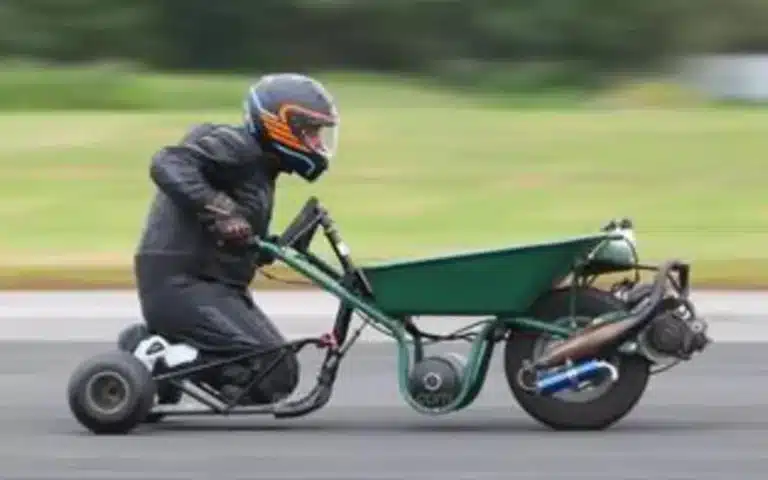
323, 139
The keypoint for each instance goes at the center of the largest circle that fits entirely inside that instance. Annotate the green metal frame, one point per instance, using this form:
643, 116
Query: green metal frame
481, 347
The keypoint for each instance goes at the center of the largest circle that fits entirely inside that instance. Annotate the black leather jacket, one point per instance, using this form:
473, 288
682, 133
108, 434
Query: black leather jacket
176, 241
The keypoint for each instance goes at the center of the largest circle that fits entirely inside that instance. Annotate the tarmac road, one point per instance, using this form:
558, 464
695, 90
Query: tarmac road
707, 419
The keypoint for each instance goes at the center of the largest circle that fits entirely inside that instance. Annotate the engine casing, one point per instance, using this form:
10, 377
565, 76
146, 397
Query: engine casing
670, 334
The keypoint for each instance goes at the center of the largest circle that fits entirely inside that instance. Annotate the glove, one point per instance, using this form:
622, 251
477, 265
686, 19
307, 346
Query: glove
234, 229
227, 223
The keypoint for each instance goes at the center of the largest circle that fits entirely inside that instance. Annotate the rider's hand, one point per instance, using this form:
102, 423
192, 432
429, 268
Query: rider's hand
227, 223
234, 229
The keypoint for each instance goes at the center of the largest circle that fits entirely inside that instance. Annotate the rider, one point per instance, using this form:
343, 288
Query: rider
215, 190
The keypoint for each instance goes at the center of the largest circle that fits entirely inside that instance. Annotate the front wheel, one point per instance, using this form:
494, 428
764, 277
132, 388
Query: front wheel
598, 406
111, 393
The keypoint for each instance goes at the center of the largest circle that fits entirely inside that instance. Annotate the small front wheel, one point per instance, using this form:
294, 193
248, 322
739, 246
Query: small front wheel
601, 404
111, 393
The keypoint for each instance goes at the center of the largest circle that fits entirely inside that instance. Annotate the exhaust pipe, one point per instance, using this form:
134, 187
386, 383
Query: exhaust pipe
593, 338
573, 376
587, 342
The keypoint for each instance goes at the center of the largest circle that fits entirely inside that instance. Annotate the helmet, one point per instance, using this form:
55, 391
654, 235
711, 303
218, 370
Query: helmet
296, 117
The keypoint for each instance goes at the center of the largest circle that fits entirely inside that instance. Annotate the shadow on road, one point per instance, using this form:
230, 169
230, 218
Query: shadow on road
450, 426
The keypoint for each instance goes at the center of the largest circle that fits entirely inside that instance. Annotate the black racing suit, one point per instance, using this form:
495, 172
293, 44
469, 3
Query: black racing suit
192, 287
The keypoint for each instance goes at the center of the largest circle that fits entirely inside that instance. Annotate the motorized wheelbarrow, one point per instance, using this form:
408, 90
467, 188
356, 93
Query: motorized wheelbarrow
577, 355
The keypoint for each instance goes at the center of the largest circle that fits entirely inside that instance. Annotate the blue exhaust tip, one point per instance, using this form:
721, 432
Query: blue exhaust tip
573, 376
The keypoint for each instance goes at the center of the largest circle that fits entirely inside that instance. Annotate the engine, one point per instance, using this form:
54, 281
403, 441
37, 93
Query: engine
674, 333
436, 381
671, 334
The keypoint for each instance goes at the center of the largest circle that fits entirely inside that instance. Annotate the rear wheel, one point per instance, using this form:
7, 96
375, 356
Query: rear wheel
111, 393
600, 404
129, 337
167, 394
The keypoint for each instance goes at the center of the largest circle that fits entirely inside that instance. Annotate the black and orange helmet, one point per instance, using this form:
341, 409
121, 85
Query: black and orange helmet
297, 117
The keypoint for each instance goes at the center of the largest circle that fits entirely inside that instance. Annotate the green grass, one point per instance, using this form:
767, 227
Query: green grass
28, 87
419, 173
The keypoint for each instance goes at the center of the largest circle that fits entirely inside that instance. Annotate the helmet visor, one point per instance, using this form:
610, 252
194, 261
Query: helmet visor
322, 139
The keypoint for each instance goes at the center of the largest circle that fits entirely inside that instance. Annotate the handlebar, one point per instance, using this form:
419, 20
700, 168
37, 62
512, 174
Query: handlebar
300, 232
665, 272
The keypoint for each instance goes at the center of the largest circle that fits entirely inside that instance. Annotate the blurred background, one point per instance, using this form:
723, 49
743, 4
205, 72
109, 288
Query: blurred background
465, 123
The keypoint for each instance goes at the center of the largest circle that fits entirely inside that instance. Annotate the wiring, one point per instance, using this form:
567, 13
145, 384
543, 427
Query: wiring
287, 282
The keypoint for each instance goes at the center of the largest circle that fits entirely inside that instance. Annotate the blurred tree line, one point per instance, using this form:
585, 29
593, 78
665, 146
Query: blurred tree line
556, 39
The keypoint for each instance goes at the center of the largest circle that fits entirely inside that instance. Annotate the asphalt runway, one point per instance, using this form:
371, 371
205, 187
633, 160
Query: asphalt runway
708, 419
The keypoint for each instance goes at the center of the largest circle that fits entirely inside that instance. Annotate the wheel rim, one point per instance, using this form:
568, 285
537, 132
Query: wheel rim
107, 392
592, 389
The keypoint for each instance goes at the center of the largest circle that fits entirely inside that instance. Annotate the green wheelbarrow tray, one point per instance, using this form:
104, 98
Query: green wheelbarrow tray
485, 282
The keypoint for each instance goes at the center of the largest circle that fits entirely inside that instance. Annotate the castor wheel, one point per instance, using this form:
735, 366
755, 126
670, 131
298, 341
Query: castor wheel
111, 393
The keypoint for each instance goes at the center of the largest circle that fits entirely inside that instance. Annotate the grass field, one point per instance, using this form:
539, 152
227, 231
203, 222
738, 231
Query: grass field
417, 173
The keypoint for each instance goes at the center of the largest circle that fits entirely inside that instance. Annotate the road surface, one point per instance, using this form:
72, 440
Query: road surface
708, 419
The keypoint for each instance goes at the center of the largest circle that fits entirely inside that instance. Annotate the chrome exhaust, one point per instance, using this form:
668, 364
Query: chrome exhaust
574, 376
